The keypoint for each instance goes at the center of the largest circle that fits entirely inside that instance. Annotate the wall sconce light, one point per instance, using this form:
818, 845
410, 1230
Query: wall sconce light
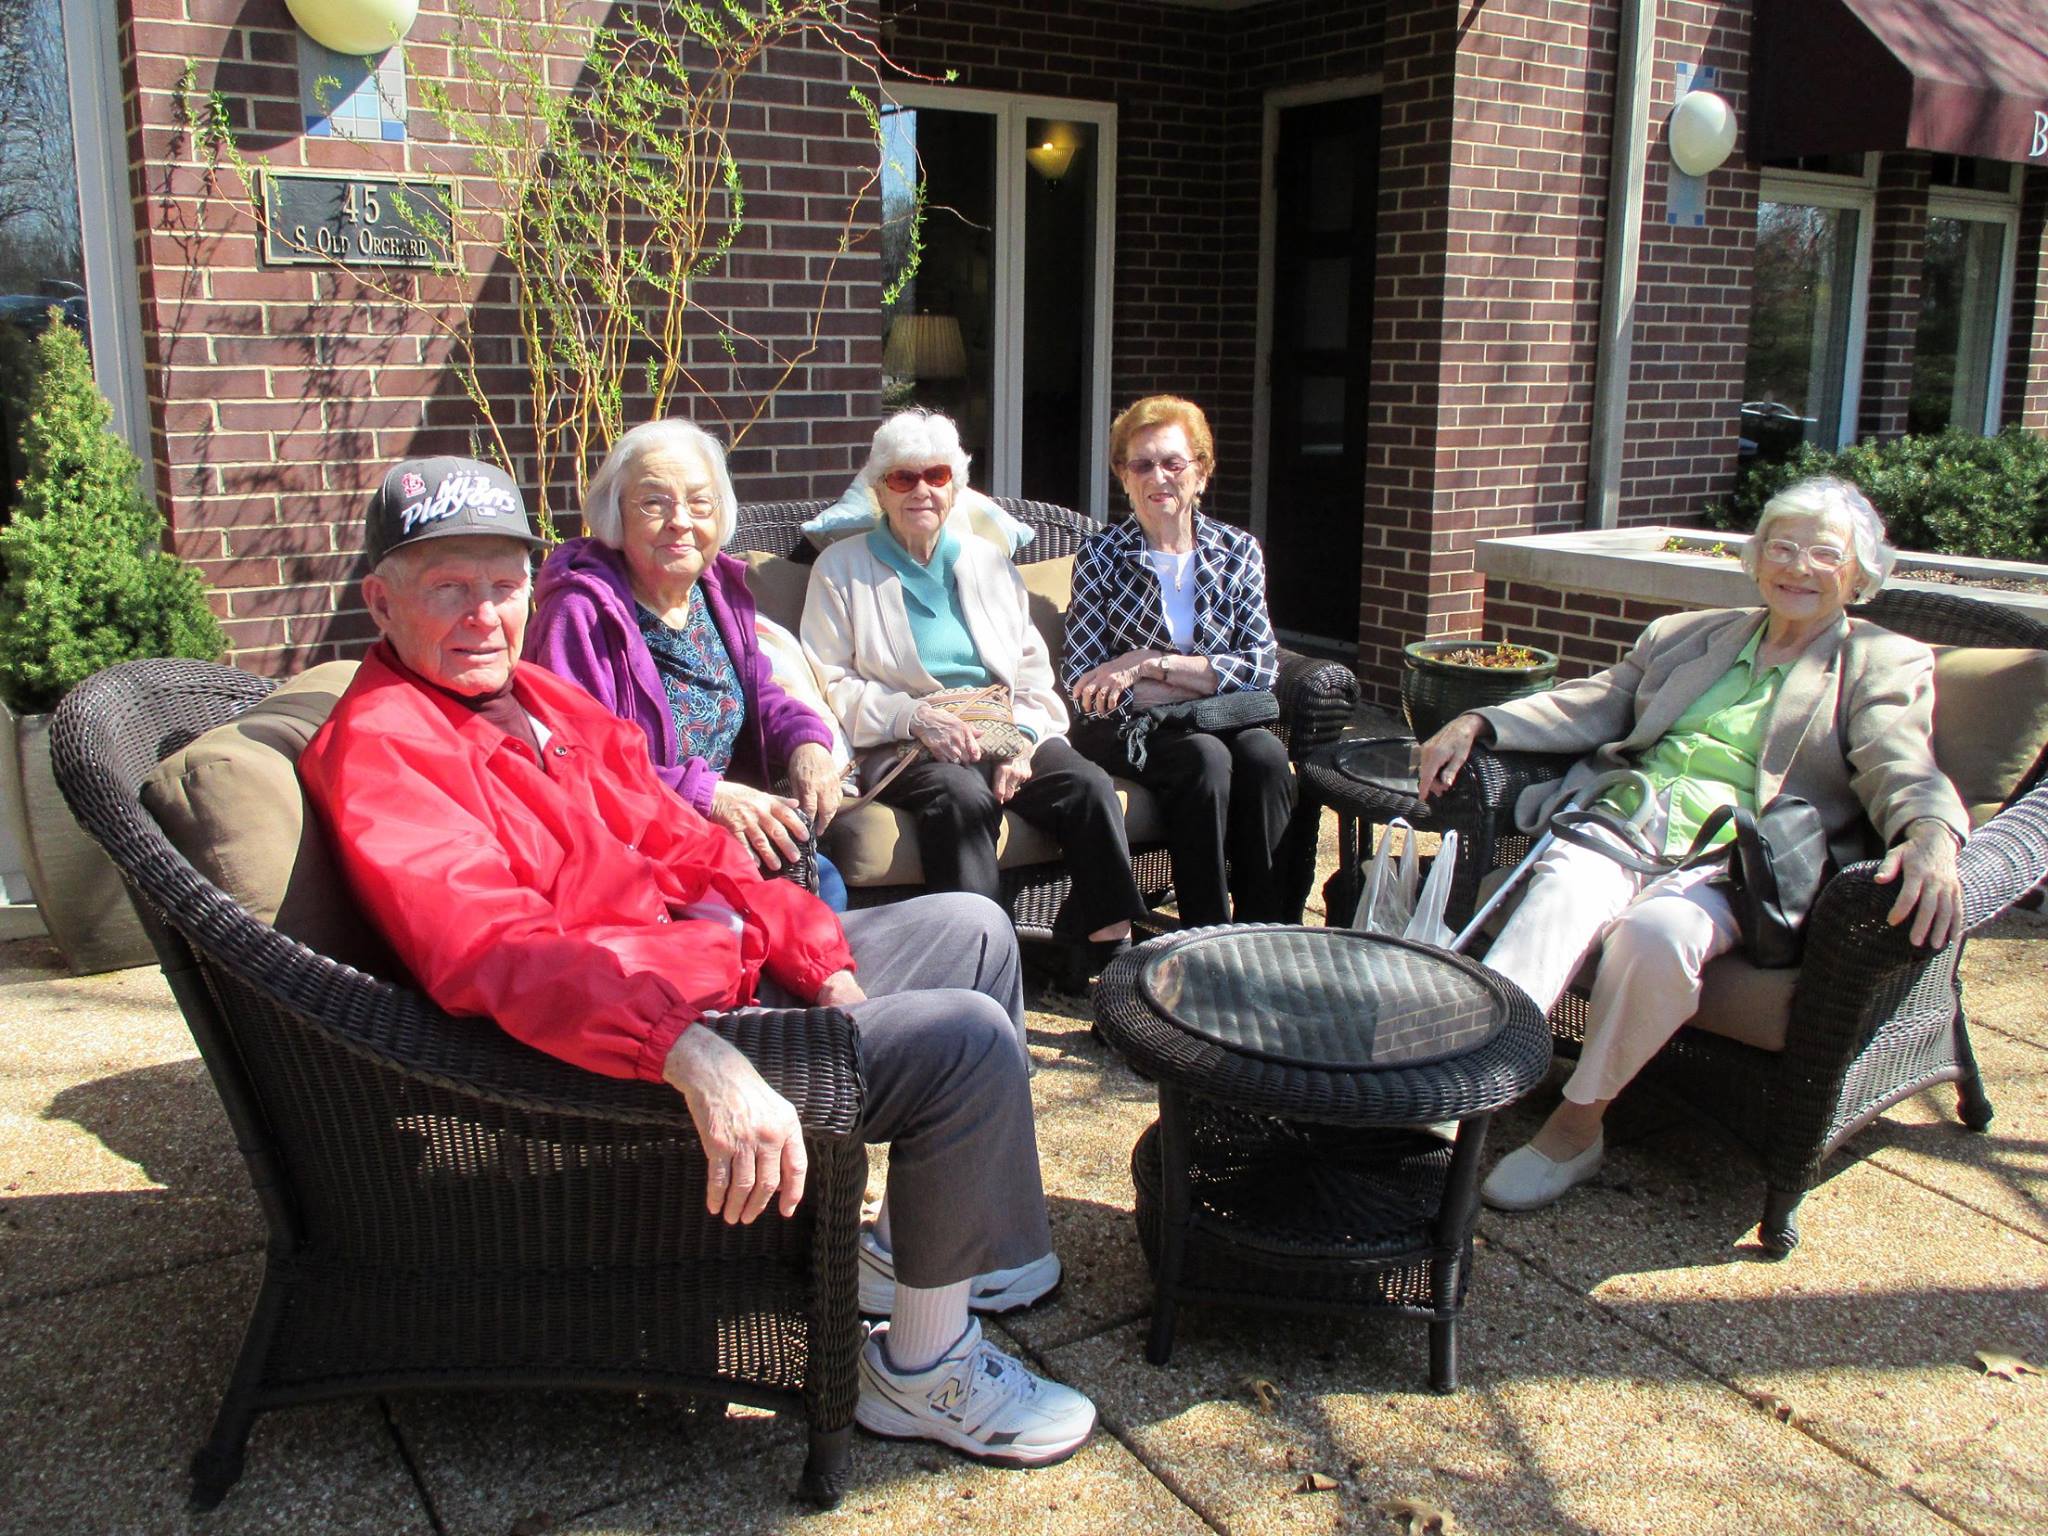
924, 347
364, 28
1701, 132
1051, 158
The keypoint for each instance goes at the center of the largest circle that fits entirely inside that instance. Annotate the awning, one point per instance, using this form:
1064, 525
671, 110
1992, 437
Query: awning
1960, 77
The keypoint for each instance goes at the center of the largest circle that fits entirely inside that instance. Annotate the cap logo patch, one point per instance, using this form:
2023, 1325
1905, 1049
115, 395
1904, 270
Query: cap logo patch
410, 484
460, 493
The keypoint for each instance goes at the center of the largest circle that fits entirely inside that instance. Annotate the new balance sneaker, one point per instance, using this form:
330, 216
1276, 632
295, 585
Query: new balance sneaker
976, 1399
997, 1292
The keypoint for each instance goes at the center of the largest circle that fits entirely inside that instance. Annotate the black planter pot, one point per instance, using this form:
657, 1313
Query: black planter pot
1435, 692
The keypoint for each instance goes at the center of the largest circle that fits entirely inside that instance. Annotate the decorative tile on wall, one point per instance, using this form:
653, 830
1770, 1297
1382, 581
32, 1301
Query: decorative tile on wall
345, 97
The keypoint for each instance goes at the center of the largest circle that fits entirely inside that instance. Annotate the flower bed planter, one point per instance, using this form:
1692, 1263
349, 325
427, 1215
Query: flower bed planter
1436, 690
1634, 563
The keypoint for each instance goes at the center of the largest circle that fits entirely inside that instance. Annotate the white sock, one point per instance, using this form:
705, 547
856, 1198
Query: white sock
926, 1323
882, 1227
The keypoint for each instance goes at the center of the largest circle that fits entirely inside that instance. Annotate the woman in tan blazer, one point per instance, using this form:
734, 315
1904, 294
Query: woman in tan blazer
1733, 706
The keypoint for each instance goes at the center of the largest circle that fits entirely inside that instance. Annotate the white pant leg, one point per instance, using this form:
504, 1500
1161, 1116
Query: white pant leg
1649, 978
1571, 896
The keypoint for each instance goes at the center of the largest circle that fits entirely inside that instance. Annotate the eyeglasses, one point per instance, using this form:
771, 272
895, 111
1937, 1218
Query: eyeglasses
1143, 468
1822, 557
660, 509
904, 481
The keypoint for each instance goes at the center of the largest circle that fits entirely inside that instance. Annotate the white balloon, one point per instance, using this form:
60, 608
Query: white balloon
1702, 132
364, 28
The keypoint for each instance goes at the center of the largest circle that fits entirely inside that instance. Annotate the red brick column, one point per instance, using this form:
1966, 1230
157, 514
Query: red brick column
1897, 251
2026, 353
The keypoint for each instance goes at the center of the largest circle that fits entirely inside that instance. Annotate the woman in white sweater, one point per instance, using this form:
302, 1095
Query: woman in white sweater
913, 607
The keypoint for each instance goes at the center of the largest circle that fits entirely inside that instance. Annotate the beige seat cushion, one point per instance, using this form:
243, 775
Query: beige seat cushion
876, 845
1990, 721
1743, 1003
230, 802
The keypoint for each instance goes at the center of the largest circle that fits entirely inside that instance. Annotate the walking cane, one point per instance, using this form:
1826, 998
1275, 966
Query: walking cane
1590, 791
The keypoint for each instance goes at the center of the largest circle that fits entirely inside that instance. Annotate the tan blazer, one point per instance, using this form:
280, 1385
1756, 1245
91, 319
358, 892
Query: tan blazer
1851, 731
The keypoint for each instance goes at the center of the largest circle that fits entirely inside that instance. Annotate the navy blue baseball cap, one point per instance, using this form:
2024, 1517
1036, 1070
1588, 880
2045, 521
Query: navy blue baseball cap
444, 498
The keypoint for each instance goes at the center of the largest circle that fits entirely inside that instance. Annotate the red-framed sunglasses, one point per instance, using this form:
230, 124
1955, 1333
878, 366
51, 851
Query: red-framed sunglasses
904, 481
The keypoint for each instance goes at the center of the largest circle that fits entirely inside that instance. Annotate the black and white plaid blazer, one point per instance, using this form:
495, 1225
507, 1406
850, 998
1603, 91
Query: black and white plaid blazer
1116, 606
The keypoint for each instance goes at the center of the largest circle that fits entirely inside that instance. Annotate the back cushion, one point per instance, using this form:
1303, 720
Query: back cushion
231, 803
1049, 588
1990, 721
778, 584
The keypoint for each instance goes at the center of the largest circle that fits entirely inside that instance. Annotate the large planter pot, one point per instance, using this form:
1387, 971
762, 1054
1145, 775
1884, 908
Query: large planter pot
1435, 692
83, 903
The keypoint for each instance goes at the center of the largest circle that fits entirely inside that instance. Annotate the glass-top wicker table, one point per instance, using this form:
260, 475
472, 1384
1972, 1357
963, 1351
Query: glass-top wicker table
1299, 1071
1367, 781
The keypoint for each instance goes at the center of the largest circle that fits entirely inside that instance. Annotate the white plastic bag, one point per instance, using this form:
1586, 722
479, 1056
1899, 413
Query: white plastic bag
1427, 925
1396, 900
1388, 900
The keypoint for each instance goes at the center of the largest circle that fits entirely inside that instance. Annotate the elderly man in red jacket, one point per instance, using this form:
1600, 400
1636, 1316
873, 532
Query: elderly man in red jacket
508, 835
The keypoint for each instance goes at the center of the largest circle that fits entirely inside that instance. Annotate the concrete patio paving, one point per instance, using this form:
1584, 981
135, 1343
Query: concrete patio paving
1629, 1365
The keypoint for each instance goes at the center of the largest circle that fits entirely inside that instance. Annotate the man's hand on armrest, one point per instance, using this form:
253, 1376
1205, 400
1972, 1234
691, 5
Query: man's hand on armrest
750, 1132
840, 990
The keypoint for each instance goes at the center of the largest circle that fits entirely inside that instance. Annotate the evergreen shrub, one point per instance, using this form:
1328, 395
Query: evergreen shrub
84, 579
1951, 493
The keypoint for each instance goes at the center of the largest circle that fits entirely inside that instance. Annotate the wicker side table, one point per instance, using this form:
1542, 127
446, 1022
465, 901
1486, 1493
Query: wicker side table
1298, 1070
1367, 781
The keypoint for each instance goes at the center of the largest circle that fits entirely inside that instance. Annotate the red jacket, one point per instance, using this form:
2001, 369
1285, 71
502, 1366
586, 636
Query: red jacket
544, 896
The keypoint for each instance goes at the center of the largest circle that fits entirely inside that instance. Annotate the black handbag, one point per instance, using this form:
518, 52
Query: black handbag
1215, 714
1777, 865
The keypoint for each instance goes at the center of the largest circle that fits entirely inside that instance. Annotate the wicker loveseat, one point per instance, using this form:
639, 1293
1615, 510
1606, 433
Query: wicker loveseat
875, 846
446, 1206
1794, 1063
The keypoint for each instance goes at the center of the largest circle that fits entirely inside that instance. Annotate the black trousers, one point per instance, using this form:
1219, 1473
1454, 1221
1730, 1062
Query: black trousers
1226, 800
957, 817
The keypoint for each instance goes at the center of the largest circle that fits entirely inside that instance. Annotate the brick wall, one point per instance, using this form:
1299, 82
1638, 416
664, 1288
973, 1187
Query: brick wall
1587, 630
2026, 358
1898, 247
278, 393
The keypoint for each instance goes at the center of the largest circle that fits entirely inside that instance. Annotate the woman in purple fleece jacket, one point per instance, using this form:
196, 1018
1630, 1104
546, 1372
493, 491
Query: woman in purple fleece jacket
646, 614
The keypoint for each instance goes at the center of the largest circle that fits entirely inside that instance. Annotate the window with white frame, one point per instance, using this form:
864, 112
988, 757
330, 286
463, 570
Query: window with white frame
1804, 362
1966, 279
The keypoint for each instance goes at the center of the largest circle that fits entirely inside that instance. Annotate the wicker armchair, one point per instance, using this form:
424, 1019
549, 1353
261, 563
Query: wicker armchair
448, 1207
1872, 1020
1316, 702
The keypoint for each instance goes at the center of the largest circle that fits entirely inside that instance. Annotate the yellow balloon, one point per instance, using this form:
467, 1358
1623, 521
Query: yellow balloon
364, 28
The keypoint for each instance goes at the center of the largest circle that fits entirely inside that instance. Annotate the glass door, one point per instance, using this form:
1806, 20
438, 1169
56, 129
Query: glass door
1002, 318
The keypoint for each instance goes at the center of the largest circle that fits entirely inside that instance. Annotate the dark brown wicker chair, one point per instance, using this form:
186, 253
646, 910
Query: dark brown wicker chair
1316, 703
1873, 1020
448, 1207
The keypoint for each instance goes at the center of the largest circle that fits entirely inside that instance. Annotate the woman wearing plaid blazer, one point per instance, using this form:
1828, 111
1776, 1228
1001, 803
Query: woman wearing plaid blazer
1172, 605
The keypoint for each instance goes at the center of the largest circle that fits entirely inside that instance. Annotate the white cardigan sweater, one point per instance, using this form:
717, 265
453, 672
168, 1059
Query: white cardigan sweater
858, 633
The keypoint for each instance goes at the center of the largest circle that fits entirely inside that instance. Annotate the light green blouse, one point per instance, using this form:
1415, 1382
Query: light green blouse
1708, 758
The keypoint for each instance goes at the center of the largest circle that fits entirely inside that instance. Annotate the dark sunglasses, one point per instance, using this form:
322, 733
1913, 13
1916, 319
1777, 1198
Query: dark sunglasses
904, 481
1143, 468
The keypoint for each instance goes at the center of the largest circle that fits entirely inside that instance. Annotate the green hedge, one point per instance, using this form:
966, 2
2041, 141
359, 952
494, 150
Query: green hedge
1950, 494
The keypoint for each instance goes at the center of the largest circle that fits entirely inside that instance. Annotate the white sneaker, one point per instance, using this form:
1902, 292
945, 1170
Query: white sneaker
997, 1292
1526, 1180
976, 1399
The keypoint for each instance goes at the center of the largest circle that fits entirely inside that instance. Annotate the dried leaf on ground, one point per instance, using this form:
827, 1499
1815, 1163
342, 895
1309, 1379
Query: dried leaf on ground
1315, 1482
1781, 1410
1264, 1395
1419, 1519
2005, 1367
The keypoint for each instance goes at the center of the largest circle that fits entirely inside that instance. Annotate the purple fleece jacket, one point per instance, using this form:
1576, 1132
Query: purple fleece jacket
583, 629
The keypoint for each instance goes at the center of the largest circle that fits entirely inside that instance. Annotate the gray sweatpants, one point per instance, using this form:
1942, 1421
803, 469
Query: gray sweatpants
943, 1050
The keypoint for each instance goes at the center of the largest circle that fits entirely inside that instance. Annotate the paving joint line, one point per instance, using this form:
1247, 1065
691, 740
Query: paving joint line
1122, 1436
129, 1277
1870, 1160
412, 1467
1755, 1400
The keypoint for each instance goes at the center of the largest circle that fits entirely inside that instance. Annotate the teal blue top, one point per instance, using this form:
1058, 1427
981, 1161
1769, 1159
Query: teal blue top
931, 599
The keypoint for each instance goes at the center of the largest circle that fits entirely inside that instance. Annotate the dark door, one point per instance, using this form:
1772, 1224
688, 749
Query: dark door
1326, 195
